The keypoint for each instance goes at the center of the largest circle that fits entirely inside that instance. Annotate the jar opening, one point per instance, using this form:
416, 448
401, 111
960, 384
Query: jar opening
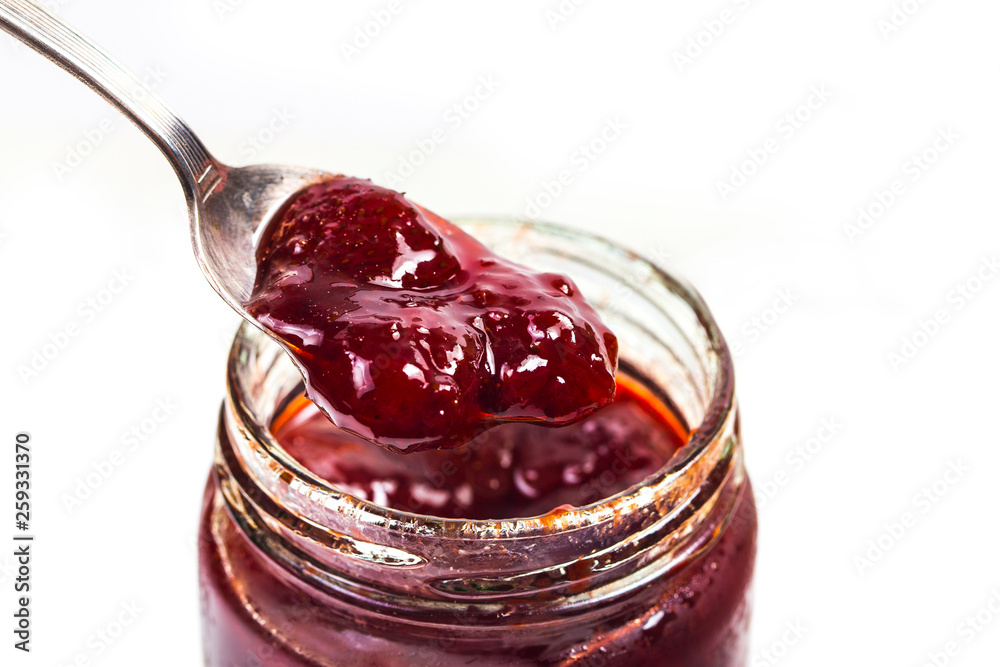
664, 327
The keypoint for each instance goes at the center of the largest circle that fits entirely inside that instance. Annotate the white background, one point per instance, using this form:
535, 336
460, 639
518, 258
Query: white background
231, 68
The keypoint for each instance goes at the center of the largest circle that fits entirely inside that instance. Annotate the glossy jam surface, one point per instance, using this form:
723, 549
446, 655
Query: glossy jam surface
414, 335
514, 470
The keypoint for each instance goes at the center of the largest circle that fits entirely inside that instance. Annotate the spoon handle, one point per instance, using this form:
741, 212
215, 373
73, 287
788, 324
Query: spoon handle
62, 44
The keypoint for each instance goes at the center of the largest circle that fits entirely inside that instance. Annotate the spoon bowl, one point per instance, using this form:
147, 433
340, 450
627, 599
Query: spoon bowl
233, 204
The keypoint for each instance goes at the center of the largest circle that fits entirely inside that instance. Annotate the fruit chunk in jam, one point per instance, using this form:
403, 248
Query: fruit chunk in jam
412, 334
515, 470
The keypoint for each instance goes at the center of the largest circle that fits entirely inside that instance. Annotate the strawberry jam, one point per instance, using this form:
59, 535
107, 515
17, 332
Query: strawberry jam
412, 334
257, 610
626, 536
515, 470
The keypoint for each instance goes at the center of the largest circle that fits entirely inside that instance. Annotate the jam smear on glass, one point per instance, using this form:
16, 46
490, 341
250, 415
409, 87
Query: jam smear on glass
412, 334
515, 470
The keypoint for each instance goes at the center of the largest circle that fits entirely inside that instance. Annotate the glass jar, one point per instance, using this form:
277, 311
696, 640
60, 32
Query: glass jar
295, 572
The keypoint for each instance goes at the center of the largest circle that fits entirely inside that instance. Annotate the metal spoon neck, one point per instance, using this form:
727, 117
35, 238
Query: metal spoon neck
48, 34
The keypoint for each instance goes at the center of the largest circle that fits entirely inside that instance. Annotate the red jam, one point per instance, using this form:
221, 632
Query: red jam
515, 470
256, 613
412, 334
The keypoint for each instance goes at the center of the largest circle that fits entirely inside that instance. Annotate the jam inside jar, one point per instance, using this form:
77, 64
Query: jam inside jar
297, 572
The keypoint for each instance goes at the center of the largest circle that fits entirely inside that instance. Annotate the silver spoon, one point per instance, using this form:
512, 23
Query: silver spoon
226, 204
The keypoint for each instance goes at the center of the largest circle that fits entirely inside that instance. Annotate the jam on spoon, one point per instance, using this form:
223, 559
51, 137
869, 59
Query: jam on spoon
412, 334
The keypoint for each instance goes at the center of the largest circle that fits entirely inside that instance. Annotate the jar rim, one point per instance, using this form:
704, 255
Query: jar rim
267, 453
